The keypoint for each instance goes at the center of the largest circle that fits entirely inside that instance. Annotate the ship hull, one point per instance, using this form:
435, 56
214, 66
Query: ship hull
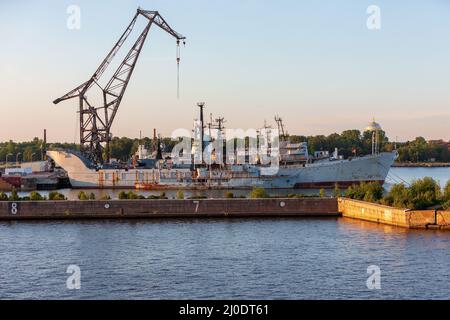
326, 174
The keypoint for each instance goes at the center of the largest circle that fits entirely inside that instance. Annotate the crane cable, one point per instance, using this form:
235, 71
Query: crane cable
178, 69
394, 176
178, 66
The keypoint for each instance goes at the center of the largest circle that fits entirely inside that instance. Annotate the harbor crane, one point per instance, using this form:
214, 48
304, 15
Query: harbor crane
96, 121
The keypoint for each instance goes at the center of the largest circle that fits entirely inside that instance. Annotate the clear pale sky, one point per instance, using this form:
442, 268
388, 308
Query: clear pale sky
315, 63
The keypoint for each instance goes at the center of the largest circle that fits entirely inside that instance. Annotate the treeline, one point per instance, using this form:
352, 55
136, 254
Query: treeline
420, 150
29, 150
349, 143
123, 148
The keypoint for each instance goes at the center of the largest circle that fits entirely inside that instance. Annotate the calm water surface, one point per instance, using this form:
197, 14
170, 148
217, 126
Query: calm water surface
245, 259
407, 175
203, 259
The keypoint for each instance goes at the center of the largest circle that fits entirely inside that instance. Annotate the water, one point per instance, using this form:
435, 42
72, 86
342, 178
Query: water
442, 175
407, 175
222, 259
225, 259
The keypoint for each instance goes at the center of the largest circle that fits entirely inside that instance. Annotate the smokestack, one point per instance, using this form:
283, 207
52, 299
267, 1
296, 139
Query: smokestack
201, 105
44, 146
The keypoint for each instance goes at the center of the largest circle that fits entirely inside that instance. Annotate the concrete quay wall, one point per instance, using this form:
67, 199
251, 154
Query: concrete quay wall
167, 208
413, 219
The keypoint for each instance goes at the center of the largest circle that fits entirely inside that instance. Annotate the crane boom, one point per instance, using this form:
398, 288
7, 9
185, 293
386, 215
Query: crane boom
96, 121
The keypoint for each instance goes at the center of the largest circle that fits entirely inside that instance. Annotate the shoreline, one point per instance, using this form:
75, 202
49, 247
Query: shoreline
421, 165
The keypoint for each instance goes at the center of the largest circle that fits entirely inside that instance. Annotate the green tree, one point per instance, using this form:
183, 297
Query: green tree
122, 148
370, 192
447, 195
162, 195
28, 153
373, 192
36, 196
123, 195
132, 196
229, 195
447, 191
14, 195
355, 192
82, 196
258, 192
54, 195
180, 194
398, 196
336, 191
424, 193
419, 150
322, 193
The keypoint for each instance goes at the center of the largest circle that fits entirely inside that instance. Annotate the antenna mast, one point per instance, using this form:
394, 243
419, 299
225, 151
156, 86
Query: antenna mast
201, 105
280, 125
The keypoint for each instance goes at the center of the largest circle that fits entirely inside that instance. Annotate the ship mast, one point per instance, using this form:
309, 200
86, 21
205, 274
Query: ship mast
218, 124
201, 105
280, 125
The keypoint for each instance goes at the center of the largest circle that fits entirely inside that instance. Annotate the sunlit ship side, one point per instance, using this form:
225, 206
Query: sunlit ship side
325, 173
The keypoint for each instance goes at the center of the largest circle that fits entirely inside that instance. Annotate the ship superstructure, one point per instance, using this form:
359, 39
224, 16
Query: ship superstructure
205, 167
322, 174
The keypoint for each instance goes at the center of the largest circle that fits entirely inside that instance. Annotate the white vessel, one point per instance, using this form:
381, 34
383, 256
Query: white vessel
320, 174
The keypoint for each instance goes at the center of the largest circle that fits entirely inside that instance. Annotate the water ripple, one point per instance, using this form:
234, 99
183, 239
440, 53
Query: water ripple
222, 259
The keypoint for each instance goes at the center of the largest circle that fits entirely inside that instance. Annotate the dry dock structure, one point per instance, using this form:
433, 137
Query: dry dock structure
412, 219
204, 208
224, 208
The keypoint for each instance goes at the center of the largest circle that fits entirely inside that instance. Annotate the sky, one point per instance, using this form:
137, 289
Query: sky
314, 63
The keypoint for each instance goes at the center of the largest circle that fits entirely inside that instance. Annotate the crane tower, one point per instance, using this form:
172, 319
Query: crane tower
96, 120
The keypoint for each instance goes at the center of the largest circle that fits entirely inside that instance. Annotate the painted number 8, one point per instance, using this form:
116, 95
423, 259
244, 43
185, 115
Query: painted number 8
14, 208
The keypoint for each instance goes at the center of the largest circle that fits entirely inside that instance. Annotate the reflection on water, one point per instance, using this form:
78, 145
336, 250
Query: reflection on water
222, 259
349, 224
225, 258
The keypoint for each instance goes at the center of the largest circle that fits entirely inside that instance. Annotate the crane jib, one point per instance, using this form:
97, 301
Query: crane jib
96, 121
